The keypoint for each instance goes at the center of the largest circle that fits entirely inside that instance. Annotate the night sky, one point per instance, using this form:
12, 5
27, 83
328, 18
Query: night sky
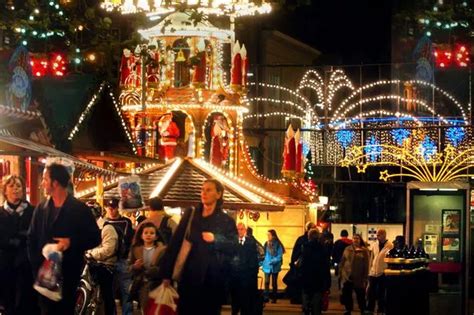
346, 32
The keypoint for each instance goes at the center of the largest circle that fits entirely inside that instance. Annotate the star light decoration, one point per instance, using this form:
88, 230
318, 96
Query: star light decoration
447, 166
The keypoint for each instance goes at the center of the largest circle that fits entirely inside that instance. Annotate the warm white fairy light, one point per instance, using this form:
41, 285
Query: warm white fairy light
91, 191
443, 92
383, 112
387, 97
210, 106
273, 100
86, 111
358, 91
166, 178
89, 106
287, 90
129, 97
311, 84
235, 8
124, 125
185, 30
251, 164
273, 114
243, 187
337, 81
114, 182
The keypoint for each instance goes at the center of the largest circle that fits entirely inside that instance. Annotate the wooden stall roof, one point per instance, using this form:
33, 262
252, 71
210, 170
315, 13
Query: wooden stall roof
11, 145
179, 183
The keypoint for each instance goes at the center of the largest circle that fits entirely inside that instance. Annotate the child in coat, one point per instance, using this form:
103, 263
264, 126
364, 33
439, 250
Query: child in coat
145, 255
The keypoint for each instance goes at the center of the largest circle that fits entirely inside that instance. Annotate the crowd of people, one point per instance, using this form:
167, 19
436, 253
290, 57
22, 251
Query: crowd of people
358, 268
133, 259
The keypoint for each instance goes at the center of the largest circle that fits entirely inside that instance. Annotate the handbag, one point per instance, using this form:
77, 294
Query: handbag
183, 251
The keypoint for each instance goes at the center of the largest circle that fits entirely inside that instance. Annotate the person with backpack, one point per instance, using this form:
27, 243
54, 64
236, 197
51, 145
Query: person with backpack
165, 223
104, 257
124, 229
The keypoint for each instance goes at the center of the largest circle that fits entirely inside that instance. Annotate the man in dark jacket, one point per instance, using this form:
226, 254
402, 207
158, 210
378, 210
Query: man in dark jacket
316, 276
244, 274
338, 249
294, 289
64, 220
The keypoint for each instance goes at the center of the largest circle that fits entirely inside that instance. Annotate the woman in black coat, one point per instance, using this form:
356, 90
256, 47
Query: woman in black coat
315, 272
214, 241
16, 290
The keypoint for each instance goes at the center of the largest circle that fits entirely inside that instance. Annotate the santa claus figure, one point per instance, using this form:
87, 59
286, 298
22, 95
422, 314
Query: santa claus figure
169, 133
126, 65
219, 141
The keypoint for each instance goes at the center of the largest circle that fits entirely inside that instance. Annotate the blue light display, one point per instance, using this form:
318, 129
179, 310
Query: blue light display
455, 135
372, 149
399, 135
428, 148
344, 137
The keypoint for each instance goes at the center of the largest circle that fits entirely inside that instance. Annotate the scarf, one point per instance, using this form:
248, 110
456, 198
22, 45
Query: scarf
19, 209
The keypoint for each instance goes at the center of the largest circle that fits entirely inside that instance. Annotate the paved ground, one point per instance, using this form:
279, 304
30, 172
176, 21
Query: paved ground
283, 306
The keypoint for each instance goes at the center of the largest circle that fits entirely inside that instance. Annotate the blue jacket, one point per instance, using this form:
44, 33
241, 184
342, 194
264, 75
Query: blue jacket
272, 264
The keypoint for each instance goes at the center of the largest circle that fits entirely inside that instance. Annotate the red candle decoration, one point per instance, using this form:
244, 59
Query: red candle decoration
299, 152
245, 65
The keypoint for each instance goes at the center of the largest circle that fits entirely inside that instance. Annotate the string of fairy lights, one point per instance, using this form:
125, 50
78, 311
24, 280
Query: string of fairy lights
234, 8
89, 107
340, 141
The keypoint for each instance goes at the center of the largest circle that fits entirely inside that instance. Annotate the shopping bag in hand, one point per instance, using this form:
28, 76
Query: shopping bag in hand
162, 301
49, 281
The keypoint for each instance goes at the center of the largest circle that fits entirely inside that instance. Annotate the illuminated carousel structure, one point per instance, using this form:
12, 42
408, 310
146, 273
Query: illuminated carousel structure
183, 111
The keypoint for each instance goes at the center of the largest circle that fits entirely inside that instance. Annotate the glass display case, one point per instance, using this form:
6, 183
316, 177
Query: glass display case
438, 215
